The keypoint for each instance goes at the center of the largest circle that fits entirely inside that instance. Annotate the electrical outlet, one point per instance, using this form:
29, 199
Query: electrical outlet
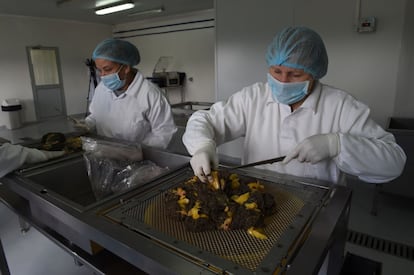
367, 24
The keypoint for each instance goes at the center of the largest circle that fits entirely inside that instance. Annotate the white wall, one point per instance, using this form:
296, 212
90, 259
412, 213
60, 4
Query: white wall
376, 67
364, 64
404, 100
192, 50
75, 42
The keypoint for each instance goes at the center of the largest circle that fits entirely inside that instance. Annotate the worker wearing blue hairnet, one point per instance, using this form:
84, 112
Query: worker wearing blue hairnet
322, 130
125, 105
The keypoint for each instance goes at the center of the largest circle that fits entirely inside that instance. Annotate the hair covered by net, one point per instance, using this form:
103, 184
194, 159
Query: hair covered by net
116, 50
299, 48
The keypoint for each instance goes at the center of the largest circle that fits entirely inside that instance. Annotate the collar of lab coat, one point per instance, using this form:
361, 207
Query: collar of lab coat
311, 102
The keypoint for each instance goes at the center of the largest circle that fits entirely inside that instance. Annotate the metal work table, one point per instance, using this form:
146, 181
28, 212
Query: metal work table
85, 232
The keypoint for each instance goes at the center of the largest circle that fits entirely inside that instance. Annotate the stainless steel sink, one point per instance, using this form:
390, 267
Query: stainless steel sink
67, 180
60, 195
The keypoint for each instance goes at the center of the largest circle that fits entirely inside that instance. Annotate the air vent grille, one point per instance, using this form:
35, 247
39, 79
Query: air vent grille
382, 245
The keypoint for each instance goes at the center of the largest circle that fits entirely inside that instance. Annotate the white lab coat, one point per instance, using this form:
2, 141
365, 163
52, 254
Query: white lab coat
11, 157
141, 114
270, 129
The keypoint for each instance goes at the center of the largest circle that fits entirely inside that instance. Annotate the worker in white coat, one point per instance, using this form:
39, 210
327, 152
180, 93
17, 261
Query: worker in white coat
125, 105
12, 156
321, 130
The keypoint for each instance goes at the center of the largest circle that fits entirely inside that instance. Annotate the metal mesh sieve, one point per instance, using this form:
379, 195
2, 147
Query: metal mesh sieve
236, 246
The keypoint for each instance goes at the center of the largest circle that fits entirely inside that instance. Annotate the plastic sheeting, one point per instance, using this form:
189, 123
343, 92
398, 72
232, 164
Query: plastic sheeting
115, 167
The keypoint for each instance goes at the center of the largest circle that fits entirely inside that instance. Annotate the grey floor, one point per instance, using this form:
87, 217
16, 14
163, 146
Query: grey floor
31, 253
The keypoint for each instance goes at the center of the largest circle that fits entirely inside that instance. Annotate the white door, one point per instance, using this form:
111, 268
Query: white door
49, 100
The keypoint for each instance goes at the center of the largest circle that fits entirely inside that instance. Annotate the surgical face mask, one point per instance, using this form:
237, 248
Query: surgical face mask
112, 81
287, 93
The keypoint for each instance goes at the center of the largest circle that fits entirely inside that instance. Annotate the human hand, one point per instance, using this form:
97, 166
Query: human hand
203, 162
315, 148
79, 124
35, 155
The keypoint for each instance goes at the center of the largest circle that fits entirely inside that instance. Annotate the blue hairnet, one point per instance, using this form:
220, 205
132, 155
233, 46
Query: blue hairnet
116, 50
299, 48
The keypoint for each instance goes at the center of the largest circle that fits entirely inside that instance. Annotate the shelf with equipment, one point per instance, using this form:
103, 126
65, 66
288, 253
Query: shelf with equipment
169, 81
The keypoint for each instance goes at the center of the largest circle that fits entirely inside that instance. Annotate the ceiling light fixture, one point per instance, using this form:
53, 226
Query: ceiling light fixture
151, 11
115, 7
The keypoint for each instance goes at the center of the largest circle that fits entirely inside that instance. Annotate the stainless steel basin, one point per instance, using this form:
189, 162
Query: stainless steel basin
67, 179
60, 194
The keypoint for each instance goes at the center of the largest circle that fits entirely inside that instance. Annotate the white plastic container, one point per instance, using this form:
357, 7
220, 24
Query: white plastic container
11, 109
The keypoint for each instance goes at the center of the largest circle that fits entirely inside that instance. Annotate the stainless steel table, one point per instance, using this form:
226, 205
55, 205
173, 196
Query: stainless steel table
80, 226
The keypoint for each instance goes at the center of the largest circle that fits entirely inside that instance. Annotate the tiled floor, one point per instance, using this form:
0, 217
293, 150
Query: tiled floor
33, 254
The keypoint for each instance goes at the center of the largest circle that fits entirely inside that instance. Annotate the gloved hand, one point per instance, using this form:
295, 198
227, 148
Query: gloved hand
203, 161
315, 148
35, 155
79, 124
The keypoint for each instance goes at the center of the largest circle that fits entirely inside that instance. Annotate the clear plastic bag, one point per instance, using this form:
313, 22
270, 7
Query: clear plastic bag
115, 167
136, 174
109, 149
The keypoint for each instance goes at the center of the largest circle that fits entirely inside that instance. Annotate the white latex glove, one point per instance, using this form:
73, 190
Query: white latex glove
35, 155
315, 148
79, 124
203, 161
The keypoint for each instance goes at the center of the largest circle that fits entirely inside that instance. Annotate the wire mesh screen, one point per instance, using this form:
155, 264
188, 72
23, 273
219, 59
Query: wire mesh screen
234, 245
147, 213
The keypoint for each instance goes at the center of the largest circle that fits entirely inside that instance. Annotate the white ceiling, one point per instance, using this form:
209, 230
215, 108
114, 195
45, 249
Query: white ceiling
83, 10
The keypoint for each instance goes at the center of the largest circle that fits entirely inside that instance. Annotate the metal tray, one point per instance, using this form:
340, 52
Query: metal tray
233, 251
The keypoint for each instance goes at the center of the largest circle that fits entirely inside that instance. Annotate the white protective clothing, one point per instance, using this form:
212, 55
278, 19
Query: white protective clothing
270, 129
315, 148
203, 161
13, 156
141, 114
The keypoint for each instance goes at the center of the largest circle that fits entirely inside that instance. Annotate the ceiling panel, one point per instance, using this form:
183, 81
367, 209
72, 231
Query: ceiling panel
83, 10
